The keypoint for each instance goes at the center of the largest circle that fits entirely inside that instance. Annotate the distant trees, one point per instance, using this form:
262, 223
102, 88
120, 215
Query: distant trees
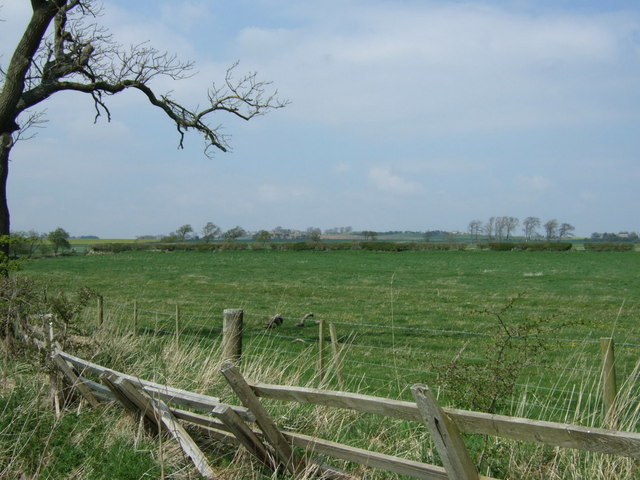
503, 228
25, 243
184, 231
530, 226
59, 238
262, 236
475, 229
615, 237
234, 233
210, 231
566, 230
369, 235
551, 229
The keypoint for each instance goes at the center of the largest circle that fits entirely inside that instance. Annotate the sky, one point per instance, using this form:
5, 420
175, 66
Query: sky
403, 115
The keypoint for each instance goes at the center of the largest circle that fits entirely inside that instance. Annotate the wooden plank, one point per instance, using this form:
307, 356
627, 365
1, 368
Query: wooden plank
367, 458
445, 435
171, 395
337, 361
158, 410
109, 379
625, 444
75, 381
287, 457
247, 438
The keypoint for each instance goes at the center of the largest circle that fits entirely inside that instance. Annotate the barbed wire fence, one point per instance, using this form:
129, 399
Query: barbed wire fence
378, 358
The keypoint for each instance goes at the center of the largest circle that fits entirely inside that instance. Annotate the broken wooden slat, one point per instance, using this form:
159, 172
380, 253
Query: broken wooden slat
445, 435
289, 459
110, 379
367, 458
245, 436
171, 395
156, 409
75, 381
626, 444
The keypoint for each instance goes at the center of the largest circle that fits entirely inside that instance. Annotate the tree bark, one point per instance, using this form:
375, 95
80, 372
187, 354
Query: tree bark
12, 90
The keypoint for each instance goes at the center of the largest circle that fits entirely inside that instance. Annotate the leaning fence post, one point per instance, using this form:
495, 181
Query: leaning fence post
609, 388
135, 317
177, 322
232, 335
321, 363
445, 435
283, 449
100, 310
337, 361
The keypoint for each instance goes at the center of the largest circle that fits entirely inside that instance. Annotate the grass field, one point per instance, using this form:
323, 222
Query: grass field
402, 318
437, 302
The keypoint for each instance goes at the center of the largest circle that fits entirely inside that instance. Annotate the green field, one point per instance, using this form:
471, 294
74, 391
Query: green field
507, 332
399, 315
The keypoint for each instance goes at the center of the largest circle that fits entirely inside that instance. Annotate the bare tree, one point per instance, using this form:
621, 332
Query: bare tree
184, 231
566, 230
489, 227
63, 49
529, 226
551, 229
510, 224
210, 231
500, 227
475, 228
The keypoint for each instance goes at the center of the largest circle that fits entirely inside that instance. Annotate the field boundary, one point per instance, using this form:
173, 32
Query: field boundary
251, 426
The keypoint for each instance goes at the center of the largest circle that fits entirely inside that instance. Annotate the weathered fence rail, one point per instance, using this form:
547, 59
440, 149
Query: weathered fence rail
251, 426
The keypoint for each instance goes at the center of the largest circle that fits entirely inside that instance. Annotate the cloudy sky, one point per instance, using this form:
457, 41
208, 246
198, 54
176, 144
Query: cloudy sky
404, 115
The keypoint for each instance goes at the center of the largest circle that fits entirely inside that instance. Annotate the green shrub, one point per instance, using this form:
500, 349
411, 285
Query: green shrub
547, 246
502, 246
609, 247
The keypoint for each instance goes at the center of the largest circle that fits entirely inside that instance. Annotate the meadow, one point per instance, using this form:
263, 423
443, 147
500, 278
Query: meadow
414, 309
509, 332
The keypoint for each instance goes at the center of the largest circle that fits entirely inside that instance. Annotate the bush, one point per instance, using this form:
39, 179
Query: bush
547, 246
502, 246
609, 247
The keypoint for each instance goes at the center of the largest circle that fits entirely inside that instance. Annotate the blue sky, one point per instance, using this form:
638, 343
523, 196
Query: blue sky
404, 115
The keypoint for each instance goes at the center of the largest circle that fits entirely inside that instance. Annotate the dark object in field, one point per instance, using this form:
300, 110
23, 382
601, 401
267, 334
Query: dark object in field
304, 319
274, 321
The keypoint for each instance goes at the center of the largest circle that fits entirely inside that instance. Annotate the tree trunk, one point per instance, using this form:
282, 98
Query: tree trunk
5, 147
10, 96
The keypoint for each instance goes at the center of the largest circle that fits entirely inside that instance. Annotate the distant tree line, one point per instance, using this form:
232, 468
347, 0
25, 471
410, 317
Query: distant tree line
615, 237
504, 229
28, 243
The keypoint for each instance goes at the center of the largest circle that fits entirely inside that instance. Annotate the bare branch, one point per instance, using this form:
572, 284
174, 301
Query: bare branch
34, 120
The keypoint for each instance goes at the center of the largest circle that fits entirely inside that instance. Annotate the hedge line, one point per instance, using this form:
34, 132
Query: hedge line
282, 246
528, 246
373, 246
609, 247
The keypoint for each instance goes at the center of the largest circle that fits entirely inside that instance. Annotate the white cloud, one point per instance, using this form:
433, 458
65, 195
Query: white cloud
445, 68
386, 181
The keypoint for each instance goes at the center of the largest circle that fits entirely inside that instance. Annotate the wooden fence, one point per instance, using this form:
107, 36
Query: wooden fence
251, 427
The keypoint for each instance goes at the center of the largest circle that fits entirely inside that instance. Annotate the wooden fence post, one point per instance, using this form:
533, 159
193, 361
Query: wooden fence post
321, 362
135, 317
100, 310
337, 361
177, 322
609, 387
445, 435
232, 325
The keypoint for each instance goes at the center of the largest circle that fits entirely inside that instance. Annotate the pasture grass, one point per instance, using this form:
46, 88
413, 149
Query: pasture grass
402, 317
